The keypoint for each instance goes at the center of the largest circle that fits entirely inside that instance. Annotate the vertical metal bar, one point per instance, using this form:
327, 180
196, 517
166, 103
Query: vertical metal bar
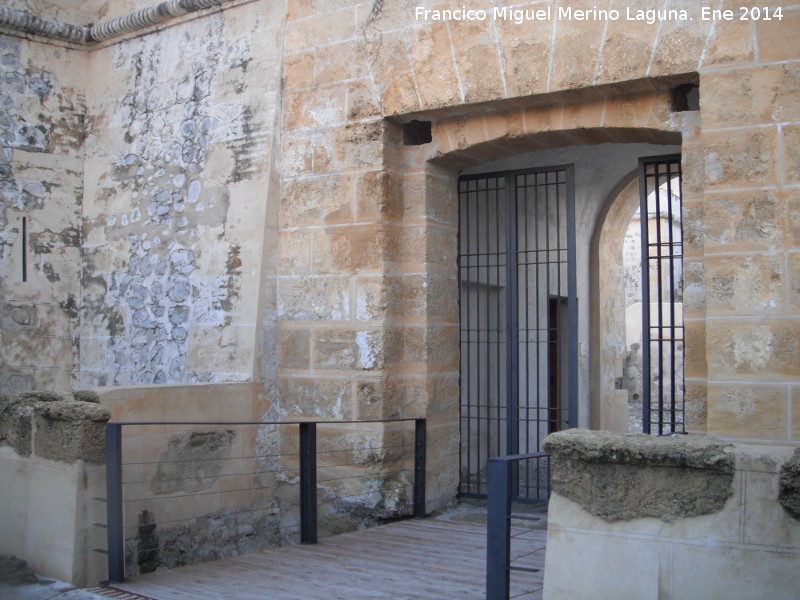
498, 536
512, 347
645, 249
24, 249
308, 483
116, 543
572, 300
420, 441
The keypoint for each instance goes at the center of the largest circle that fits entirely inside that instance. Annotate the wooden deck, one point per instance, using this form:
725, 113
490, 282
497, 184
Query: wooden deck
408, 560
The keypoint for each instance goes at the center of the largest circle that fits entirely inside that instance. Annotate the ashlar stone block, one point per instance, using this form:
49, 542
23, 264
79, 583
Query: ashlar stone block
745, 285
748, 411
742, 158
754, 348
434, 71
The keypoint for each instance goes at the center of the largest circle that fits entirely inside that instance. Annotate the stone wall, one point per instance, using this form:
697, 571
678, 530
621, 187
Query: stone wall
179, 214
42, 113
52, 457
679, 517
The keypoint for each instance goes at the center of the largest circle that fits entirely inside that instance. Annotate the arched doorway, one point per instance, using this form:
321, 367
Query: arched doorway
488, 423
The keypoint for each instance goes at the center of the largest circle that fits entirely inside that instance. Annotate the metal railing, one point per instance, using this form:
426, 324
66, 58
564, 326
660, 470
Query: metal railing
305, 474
503, 480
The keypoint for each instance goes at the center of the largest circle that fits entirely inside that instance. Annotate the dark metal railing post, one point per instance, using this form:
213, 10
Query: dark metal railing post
308, 483
116, 543
498, 540
420, 442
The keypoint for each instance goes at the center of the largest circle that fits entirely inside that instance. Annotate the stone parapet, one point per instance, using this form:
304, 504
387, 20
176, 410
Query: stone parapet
680, 517
52, 473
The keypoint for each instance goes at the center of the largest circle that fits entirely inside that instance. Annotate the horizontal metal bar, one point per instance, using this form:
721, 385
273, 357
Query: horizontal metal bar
262, 422
518, 457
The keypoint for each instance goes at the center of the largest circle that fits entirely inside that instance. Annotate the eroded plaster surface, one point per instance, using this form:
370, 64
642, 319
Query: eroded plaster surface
179, 143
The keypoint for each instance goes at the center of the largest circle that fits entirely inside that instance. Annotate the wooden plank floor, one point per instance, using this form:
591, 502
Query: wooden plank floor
407, 560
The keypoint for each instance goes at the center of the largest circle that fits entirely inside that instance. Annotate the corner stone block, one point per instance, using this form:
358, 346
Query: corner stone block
379, 196
748, 411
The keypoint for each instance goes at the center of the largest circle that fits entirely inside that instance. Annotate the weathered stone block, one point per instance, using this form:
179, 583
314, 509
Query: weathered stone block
67, 431
317, 298
526, 53
477, 61
695, 348
379, 196
294, 349
742, 221
339, 62
317, 201
358, 146
680, 43
298, 71
760, 348
317, 107
620, 478
352, 249
362, 100
741, 158
626, 49
790, 485
747, 411
342, 350
772, 39
391, 69
316, 397
791, 153
730, 43
751, 96
317, 30
432, 60
745, 285
795, 407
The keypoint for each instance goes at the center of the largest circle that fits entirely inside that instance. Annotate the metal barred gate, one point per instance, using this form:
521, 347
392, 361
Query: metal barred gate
519, 317
662, 294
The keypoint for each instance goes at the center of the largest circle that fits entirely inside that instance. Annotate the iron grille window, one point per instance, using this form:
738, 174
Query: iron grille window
518, 312
662, 295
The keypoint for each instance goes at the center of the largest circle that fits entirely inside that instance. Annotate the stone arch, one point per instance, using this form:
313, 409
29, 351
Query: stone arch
465, 142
